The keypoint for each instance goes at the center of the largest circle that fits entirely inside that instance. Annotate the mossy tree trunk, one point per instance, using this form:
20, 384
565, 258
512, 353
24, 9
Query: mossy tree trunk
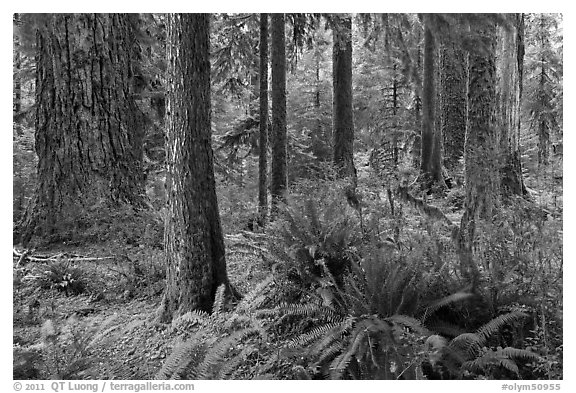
278, 186
193, 237
431, 147
263, 154
510, 64
342, 114
481, 150
452, 102
88, 127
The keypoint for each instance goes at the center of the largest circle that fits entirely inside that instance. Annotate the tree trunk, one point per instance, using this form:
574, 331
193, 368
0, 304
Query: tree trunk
279, 140
481, 146
193, 238
16, 107
431, 148
453, 102
543, 100
88, 127
263, 156
510, 58
417, 147
343, 120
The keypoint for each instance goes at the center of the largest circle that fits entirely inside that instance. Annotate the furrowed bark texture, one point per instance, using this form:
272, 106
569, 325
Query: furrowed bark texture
343, 120
510, 59
279, 139
453, 102
263, 155
481, 147
88, 128
193, 238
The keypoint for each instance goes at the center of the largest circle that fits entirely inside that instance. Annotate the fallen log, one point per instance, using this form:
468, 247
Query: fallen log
26, 256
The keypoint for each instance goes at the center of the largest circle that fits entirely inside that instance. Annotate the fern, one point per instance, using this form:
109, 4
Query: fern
497, 323
469, 351
436, 305
183, 355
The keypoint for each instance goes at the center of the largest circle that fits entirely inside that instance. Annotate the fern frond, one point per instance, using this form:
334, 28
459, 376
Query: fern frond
303, 310
491, 358
180, 359
494, 326
232, 365
467, 345
409, 322
208, 368
307, 338
218, 305
329, 354
435, 306
509, 365
515, 353
340, 364
255, 298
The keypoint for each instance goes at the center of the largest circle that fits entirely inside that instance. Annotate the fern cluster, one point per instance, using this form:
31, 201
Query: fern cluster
214, 346
312, 234
470, 355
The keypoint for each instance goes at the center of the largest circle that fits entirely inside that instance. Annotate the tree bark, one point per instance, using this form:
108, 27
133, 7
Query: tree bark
417, 147
193, 237
431, 148
279, 181
88, 127
481, 147
343, 119
16, 107
263, 156
510, 59
453, 102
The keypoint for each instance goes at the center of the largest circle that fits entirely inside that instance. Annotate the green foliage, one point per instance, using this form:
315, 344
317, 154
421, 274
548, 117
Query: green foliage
64, 277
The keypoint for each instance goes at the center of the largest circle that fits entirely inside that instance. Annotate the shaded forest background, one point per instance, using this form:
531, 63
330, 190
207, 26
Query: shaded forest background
397, 215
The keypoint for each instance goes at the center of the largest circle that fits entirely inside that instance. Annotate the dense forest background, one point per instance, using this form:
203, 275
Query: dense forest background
288, 196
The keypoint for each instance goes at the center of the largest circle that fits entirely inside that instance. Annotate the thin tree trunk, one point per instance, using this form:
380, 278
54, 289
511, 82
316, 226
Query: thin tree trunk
17, 66
417, 147
88, 127
510, 57
427, 104
263, 156
193, 238
279, 182
343, 120
543, 123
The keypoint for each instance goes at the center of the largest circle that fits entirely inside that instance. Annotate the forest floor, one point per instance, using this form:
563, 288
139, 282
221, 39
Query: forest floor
113, 322
112, 326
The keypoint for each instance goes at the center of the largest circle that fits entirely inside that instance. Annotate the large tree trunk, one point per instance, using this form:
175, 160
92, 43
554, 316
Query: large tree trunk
510, 60
482, 145
263, 156
88, 127
279, 140
343, 120
193, 238
431, 148
453, 102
